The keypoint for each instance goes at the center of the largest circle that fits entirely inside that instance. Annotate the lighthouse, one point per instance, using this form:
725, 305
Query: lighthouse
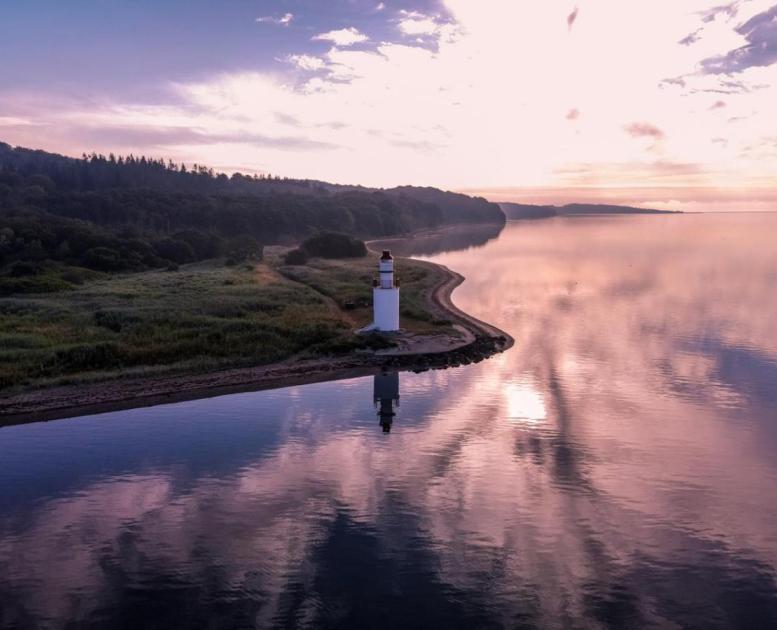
385, 296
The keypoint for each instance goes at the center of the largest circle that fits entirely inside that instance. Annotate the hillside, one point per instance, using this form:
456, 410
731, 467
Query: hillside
458, 208
115, 214
530, 211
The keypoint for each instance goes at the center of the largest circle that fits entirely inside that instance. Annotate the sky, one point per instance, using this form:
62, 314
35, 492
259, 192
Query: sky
656, 102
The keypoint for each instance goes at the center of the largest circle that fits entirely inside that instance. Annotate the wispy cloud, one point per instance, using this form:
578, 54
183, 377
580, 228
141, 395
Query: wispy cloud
283, 20
729, 10
718, 105
656, 172
307, 62
343, 37
571, 18
760, 31
415, 23
417, 145
13, 121
678, 81
171, 136
691, 38
573, 114
643, 130
151, 136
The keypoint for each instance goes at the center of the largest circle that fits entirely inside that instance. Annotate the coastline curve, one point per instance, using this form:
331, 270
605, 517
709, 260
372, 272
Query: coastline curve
479, 340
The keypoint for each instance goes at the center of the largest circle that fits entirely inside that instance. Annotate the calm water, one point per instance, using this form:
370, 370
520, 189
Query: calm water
616, 468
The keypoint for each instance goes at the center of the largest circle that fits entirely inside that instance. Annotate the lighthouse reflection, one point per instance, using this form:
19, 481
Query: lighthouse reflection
386, 398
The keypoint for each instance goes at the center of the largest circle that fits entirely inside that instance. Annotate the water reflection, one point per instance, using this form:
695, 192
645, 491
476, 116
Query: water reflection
456, 238
614, 469
386, 397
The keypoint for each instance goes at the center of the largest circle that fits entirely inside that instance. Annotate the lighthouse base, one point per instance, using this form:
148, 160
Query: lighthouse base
385, 306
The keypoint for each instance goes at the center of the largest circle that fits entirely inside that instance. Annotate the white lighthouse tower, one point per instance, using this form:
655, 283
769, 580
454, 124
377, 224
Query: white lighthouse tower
385, 297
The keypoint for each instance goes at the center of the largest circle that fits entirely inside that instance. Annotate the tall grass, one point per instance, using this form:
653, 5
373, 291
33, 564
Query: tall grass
203, 316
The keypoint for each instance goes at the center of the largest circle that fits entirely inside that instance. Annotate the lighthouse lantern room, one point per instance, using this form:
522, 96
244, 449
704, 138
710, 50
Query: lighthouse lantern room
385, 296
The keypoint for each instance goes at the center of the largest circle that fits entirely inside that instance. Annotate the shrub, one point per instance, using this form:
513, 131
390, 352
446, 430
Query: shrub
114, 320
244, 247
174, 250
296, 257
103, 259
334, 245
23, 269
204, 245
79, 275
99, 356
46, 283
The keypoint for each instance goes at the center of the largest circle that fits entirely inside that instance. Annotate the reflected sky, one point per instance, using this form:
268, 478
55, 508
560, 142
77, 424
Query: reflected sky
615, 468
448, 239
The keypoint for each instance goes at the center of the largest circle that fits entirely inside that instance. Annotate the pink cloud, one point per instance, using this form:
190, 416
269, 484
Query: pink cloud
643, 130
571, 18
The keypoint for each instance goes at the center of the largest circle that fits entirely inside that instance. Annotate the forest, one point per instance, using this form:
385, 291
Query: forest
61, 217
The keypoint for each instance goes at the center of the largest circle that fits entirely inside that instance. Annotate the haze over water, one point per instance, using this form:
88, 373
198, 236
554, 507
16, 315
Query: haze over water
615, 468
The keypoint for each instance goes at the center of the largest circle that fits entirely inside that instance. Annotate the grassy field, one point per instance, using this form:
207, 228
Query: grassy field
203, 316
348, 283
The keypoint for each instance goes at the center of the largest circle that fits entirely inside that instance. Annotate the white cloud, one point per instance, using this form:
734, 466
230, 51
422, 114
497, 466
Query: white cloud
13, 121
488, 107
380, 6
343, 37
415, 23
284, 20
419, 27
307, 62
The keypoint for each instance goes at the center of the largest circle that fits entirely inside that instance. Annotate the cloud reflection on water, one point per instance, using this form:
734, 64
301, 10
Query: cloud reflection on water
615, 467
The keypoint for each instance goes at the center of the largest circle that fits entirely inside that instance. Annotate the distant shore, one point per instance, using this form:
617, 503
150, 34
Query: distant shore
473, 341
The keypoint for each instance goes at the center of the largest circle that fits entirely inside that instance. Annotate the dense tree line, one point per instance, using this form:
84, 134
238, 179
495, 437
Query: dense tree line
132, 213
98, 172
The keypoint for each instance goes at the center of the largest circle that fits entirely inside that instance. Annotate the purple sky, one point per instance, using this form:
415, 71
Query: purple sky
494, 94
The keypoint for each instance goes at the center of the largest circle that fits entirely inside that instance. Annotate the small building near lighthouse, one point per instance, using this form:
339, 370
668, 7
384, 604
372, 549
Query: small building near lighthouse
385, 297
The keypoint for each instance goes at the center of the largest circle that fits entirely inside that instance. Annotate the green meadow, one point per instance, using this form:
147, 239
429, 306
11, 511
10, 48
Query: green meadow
202, 316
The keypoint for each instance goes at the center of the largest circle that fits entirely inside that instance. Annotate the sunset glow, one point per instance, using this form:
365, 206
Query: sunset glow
514, 100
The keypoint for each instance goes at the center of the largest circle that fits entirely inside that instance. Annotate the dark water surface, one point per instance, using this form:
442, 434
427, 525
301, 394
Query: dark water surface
616, 468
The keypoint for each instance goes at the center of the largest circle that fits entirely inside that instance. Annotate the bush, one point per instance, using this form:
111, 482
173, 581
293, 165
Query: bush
296, 257
103, 259
334, 245
79, 275
204, 245
23, 269
244, 247
174, 250
85, 357
45, 283
114, 320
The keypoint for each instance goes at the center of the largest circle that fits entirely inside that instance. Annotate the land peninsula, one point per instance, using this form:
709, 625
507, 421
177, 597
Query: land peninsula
520, 211
129, 282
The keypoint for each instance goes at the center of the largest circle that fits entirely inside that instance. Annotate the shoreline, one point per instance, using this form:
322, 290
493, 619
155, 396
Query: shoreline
479, 340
